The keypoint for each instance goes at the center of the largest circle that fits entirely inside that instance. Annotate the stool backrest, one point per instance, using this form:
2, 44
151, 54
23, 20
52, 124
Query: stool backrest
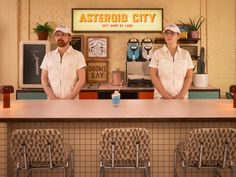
213, 141
125, 143
36, 143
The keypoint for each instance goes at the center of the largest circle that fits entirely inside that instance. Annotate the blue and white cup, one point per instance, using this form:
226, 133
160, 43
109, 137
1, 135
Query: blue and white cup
115, 97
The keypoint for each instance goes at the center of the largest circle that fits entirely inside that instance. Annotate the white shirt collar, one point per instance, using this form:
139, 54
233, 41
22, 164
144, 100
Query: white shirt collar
165, 49
69, 50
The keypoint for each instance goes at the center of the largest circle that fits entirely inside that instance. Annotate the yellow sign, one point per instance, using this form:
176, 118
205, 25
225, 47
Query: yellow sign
117, 20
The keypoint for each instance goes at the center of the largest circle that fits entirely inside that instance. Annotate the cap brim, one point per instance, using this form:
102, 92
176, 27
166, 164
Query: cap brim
171, 30
62, 31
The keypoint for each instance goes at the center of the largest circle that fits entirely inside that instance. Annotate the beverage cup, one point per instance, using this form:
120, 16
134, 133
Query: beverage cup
115, 99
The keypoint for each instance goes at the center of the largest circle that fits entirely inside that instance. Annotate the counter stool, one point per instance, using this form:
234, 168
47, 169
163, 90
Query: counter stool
125, 148
40, 149
212, 148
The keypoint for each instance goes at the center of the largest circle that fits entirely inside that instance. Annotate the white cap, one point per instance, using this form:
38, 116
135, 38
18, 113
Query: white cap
172, 27
62, 28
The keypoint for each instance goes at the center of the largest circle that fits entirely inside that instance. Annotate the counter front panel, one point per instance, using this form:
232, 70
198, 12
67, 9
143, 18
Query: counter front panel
84, 137
82, 121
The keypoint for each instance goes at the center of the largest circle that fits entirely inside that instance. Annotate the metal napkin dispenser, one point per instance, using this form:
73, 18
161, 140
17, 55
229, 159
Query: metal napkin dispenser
137, 74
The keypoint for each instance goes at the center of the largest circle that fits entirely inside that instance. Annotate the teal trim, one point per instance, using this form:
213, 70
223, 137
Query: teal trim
30, 95
192, 95
203, 95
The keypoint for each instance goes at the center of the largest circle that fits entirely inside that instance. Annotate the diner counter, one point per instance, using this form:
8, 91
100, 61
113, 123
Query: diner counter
132, 110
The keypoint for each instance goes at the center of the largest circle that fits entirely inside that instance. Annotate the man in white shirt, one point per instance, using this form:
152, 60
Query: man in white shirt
171, 68
63, 69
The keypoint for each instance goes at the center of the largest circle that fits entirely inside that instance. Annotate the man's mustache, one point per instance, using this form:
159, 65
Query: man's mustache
60, 40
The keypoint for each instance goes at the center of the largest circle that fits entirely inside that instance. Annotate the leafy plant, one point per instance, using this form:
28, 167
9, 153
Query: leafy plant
201, 63
192, 25
229, 95
46, 27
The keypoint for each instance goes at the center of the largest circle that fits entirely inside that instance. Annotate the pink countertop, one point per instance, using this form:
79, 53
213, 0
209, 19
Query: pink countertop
135, 110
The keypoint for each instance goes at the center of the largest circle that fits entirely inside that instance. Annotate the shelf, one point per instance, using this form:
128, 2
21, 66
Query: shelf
181, 40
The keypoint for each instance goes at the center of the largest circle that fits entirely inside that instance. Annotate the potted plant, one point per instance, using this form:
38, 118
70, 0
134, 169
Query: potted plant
200, 79
193, 26
43, 30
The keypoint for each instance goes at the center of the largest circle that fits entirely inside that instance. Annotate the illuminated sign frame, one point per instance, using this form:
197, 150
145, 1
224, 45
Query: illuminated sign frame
117, 20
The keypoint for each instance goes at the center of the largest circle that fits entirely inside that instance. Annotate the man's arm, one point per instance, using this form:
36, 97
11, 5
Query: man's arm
153, 72
79, 84
187, 83
46, 86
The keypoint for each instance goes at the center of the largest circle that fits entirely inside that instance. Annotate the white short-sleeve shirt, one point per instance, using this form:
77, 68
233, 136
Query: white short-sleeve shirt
62, 72
171, 70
